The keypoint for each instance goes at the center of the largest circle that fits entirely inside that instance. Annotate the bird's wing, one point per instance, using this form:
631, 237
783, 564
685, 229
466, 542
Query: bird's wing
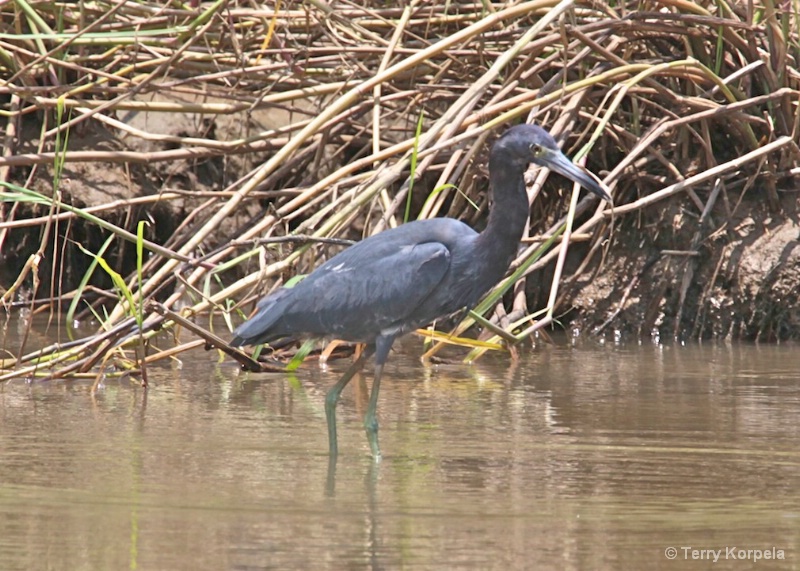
358, 294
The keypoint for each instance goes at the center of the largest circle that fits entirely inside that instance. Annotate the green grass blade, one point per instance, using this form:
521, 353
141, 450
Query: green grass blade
139, 264
301, 354
413, 166
73, 305
119, 282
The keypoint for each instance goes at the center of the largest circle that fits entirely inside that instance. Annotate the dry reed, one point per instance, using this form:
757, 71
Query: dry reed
663, 98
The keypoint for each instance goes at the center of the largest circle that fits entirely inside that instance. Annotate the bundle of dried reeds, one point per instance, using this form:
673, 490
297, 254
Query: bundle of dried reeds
303, 122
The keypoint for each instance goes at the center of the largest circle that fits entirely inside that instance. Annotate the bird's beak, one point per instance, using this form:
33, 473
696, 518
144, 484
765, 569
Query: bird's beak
558, 161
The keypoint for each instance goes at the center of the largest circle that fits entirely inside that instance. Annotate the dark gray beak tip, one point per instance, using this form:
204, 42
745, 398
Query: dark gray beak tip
593, 184
601, 190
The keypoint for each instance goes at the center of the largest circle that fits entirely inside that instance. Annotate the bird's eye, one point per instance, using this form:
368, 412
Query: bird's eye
535, 149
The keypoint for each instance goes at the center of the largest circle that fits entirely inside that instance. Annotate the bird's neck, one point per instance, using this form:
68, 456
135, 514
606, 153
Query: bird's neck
499, 241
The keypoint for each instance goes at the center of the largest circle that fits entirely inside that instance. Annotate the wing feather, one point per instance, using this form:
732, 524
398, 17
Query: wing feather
353, 298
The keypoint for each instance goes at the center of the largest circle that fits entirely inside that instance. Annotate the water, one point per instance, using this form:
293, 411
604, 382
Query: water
585, 457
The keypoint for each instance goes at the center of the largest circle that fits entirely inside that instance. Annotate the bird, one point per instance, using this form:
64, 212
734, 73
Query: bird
403, 278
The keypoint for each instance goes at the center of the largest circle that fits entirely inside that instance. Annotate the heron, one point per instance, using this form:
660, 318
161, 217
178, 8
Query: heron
401, 279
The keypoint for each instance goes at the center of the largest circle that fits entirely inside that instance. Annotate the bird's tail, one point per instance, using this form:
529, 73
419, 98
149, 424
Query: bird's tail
259, 327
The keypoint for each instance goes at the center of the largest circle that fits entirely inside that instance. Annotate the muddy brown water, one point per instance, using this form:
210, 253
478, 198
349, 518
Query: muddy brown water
576, 457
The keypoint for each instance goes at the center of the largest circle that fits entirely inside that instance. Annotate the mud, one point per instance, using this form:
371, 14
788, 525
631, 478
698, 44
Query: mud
667, 278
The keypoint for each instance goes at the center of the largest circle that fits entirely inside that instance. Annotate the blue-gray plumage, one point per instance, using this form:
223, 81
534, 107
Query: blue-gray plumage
404, 278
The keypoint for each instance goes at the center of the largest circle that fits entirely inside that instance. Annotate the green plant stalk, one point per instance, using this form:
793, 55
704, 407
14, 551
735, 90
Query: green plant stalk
201, 20
73, 305
140, 348
720, 51
301, 354
34, 16
156, 36
35, 22
119, 282
60, 155
497, 293
139, 314
435, 192
494, 297
413, 173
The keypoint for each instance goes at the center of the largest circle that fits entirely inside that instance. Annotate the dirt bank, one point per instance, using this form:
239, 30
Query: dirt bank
664, 276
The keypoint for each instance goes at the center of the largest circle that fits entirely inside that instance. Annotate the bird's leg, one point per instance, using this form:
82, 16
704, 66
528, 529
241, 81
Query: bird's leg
333, 397
382, 347
370, 418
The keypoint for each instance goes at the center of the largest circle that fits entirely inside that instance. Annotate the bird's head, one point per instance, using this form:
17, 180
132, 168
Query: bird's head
524, 144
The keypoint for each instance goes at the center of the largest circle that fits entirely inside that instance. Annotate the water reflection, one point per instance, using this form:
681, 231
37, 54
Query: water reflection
575, 457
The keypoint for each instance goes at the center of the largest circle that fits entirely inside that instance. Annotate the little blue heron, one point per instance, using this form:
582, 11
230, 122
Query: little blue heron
401, 279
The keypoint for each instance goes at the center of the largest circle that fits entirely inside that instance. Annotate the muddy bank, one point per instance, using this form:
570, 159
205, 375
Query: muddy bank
667, 277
